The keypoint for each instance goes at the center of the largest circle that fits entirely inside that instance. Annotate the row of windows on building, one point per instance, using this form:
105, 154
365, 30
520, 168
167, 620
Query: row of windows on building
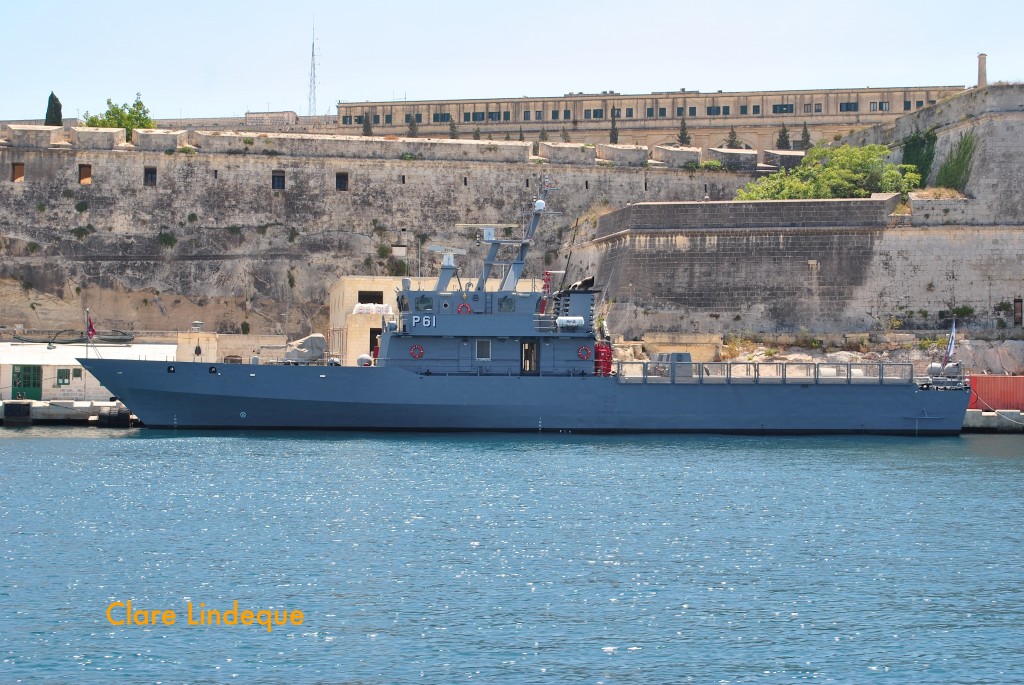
277, 177
630, 113
149, 176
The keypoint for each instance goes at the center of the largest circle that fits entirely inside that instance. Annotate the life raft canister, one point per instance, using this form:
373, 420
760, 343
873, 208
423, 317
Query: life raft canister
416, 351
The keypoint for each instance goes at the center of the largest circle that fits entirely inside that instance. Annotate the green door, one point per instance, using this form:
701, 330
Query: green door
26, 382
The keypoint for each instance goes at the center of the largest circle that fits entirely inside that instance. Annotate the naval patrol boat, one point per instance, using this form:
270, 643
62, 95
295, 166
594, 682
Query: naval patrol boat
492, 356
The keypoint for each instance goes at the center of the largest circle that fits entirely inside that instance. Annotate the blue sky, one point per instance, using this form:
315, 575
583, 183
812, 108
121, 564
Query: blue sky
223, 58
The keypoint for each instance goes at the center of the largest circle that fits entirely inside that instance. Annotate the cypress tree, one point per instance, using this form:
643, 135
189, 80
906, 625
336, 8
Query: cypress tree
782, 142
367, 124
805, 138
733, 141
453, 130
683, 137
414, 127
613, 133
54, 116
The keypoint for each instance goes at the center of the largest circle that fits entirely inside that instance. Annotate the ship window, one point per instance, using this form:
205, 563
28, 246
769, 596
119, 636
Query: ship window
403, 303
506, 304
424, 303
483, 350
63, 376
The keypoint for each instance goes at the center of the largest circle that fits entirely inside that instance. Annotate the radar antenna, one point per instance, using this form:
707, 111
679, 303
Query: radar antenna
448, 268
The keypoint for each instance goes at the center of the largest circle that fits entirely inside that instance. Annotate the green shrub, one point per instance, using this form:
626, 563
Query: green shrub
167, 239
919, 150
82, 206
956, 170
82, 231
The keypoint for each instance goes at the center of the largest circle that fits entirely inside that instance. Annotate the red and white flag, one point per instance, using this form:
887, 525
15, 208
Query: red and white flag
90, 330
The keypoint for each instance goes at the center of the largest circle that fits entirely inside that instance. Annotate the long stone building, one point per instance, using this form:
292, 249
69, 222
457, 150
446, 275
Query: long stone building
650, 119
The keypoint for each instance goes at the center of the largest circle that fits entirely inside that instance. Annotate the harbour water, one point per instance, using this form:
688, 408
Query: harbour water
511, 558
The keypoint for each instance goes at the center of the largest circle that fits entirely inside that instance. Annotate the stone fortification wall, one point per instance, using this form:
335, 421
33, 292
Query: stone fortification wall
994, 115
360, 147
675, 216
211, 239
677, 156
786, 275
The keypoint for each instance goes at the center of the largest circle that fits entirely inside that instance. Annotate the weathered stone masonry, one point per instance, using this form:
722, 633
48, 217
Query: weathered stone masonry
793, 266
212, 240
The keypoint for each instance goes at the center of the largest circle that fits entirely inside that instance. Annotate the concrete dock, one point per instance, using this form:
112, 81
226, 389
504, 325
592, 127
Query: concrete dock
1001, 421
66, 412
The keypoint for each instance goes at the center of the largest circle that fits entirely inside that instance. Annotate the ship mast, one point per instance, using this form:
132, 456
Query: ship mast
516, 265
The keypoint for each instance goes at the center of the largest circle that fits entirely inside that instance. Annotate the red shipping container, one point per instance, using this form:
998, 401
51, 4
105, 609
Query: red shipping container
990, 393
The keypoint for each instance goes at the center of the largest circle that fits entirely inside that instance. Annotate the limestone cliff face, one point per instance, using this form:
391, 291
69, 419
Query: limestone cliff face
158, 239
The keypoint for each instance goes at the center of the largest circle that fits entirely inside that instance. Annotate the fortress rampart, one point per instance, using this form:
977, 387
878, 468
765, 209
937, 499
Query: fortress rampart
233, 228
239, 228
821, 266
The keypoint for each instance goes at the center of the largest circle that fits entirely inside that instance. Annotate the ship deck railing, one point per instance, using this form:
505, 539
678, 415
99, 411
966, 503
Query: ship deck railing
825, 373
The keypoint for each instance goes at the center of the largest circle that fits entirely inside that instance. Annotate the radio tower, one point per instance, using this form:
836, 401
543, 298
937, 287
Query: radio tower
312, 75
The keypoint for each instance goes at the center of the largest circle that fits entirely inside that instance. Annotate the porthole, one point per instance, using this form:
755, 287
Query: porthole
170, 369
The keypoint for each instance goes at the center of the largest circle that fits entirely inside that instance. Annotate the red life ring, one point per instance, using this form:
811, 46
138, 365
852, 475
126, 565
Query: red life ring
583, 353
464, 308
416, 351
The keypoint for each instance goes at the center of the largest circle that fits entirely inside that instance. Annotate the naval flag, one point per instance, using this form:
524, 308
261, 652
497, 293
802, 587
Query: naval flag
90, 330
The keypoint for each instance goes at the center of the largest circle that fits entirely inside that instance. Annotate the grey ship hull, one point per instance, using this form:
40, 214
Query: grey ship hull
198, 395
